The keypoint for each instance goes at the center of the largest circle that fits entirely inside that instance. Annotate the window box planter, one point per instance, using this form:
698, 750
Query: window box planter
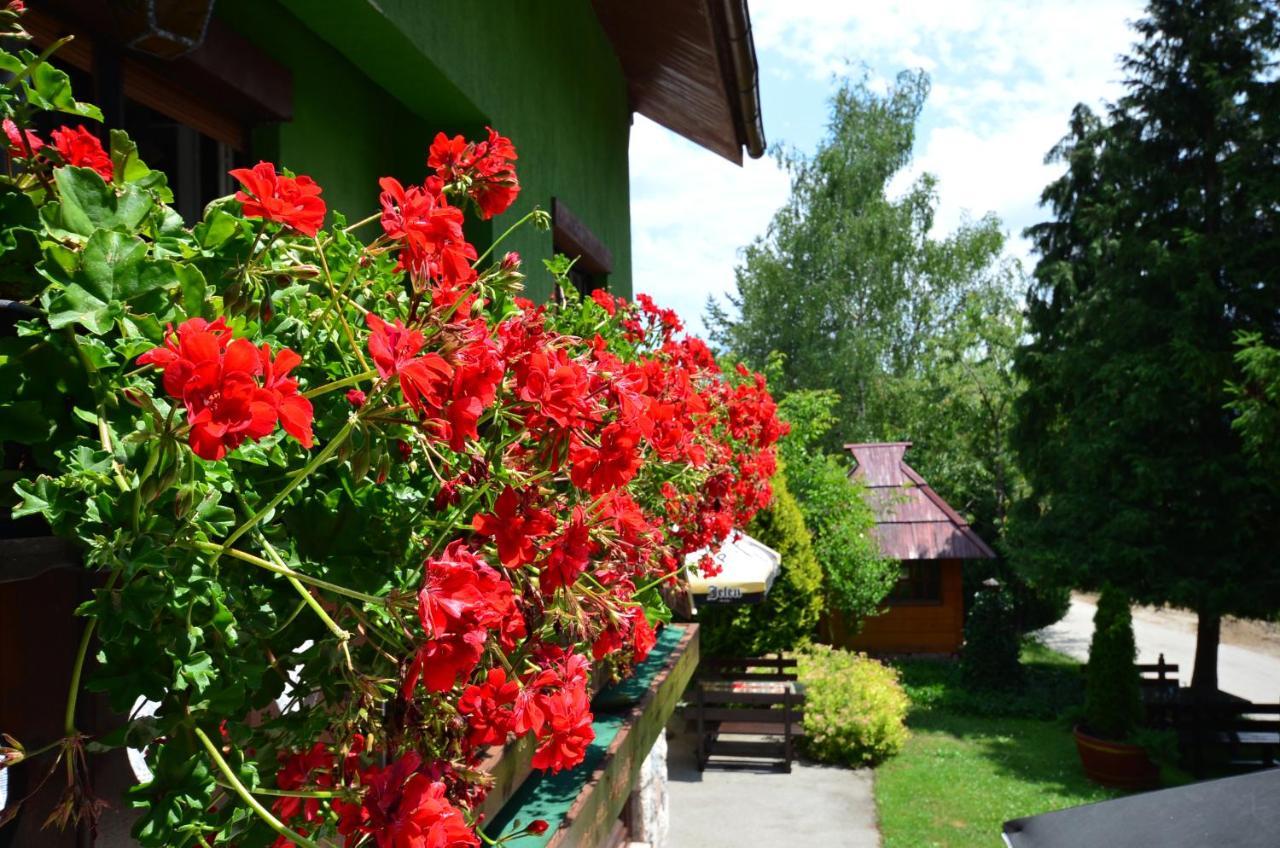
582, 805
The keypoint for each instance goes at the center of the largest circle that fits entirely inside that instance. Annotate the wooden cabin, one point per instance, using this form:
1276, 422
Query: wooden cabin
925, 611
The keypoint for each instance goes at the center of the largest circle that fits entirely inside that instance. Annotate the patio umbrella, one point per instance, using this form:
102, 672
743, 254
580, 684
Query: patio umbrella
1234, 812
747, 570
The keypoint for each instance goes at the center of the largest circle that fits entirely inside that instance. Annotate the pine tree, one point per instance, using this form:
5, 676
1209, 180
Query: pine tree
1162, 249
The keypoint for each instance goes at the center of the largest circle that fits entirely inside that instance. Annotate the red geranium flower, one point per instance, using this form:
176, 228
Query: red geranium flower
515, 527
292, 201
570, 552
567, 732
299, 770
293, 410
424, 380
488, 709
609, 466
403, 808
17, 148
461, 599
232, 391
432, 244
484, 168
81, 148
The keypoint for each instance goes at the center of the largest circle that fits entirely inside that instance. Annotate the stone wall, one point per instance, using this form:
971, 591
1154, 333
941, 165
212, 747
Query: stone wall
651, 816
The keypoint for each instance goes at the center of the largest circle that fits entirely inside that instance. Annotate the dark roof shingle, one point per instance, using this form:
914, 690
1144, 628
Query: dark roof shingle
912, 520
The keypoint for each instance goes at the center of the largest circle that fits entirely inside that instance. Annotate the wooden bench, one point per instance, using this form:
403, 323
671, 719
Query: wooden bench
741, 699
1238, 735
1160, 689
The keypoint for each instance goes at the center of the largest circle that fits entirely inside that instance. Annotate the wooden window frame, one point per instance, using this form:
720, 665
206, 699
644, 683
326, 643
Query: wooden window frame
907, 566
575, 240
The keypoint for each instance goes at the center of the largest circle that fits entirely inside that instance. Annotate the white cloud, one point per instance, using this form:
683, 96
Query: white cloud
1006, 74
691, 212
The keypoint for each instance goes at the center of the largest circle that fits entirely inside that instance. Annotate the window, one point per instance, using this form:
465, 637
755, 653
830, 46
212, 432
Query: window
919, 583
571, 237
179, 113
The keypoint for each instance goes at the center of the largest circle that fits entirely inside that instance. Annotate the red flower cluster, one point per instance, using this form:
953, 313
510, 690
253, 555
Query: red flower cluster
81, 148
77, 147
569, 471
461, 600
292, 201
403, 808
432, 247
232, 390
449, 397
515, 525
553, 704
482, 168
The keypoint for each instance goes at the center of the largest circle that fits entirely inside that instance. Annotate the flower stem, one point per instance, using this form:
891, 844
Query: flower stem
316, 461
244, 556
346, 327
12, 84
511, 229
340, 384
342, 635
245, 795
661, 579
281, 793
77, 667
358, 224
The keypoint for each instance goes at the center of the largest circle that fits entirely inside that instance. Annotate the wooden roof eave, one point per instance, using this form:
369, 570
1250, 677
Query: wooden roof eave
690, 66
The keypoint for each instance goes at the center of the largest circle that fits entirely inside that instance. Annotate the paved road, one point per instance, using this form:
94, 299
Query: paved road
814, 805
1251, 674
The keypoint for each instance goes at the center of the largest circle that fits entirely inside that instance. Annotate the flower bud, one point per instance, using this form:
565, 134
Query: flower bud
537, 827
511, 262
356, 398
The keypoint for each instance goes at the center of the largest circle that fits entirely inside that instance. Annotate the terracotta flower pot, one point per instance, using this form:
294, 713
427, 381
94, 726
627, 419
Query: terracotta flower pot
1117, 764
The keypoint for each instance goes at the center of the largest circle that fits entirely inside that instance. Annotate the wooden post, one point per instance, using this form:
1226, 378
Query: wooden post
786, 725
702, 741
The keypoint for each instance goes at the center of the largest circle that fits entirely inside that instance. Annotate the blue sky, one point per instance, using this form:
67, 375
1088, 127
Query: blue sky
1005, 74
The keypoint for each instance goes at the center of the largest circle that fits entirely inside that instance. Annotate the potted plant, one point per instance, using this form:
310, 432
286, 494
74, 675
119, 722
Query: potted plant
1113, 701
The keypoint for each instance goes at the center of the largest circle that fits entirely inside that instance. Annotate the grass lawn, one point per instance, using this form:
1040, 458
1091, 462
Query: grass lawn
974, 762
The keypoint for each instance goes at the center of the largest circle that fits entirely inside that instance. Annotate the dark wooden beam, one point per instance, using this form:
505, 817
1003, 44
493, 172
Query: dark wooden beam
576, 240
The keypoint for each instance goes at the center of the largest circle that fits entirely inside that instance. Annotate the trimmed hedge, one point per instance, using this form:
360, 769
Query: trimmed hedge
991, 642
1113, 691
855, 707
787, 617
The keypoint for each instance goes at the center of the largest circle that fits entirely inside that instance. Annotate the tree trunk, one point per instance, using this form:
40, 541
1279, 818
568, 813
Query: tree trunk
1204, 679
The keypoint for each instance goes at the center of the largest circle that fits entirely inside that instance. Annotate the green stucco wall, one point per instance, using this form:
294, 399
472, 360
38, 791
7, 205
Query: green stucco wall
373, 83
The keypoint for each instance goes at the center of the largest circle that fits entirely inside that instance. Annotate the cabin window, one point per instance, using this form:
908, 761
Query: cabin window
184, 133
918, 583
574, 239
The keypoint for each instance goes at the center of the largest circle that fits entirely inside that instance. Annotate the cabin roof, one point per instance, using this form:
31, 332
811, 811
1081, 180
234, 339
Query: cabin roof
912, 520
691, 66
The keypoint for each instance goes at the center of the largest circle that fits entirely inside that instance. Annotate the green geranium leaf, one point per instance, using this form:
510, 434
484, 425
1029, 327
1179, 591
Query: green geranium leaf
113, 269
126, 166
88, 203
193, 287
217, 227
25, 421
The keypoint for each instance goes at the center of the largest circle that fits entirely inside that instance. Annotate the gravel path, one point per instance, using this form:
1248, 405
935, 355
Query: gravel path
1250, 670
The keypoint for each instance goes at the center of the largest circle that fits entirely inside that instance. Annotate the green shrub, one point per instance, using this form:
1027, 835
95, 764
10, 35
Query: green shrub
856, 576
1113, 696
855, 709
1035, 603
787, 617
991, 643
